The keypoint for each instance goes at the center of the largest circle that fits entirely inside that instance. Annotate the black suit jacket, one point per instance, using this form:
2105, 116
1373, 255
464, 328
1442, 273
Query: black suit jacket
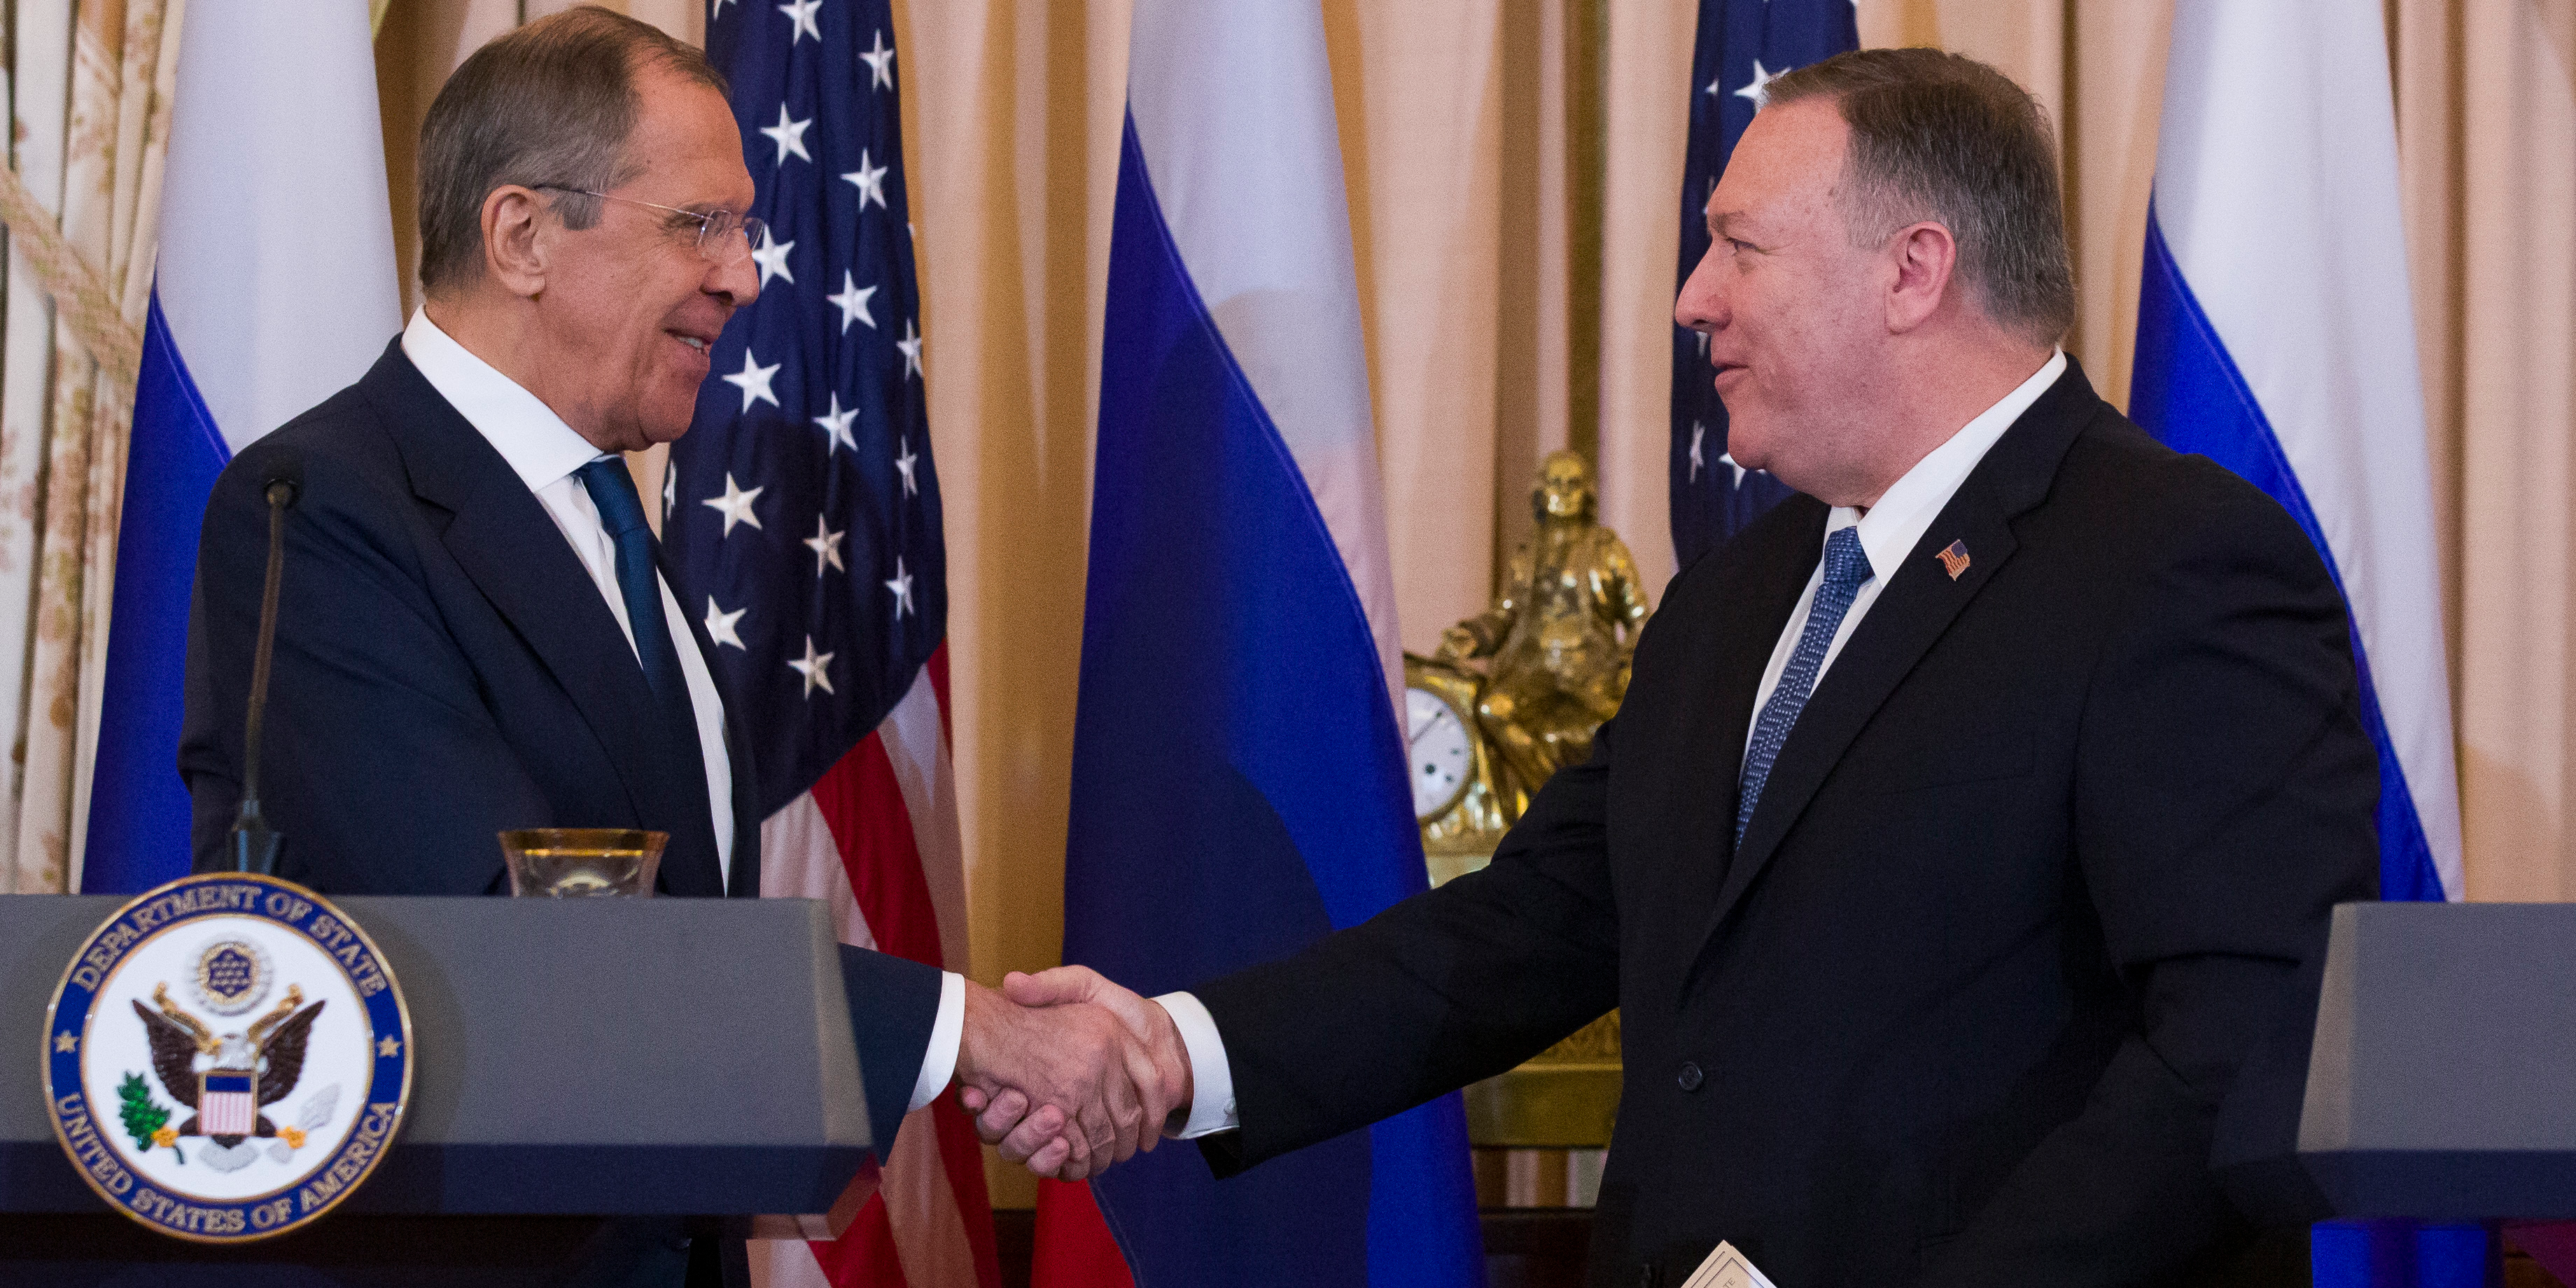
2032, 876
446, 669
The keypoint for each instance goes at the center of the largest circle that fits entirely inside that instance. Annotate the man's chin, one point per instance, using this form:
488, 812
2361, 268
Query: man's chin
1749, 451
664, 418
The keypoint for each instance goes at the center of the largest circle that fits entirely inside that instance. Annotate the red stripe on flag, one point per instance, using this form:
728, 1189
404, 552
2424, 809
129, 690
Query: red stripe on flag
1072, 1246
864, 1255
863, 805
939, 685
963, 1155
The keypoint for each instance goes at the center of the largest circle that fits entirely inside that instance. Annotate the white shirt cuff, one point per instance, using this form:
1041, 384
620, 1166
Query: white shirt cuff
939, 1062
1211, 1078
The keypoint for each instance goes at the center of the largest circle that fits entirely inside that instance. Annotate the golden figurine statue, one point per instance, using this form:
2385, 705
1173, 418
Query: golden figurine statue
1556, 644
1559, 634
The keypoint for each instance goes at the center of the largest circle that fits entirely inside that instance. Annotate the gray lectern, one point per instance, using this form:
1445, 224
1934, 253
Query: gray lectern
2442, 1085
585, 1069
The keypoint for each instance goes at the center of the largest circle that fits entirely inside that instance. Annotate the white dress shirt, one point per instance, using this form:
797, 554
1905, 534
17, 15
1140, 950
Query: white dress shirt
1887, 535
544, 452
1890, 529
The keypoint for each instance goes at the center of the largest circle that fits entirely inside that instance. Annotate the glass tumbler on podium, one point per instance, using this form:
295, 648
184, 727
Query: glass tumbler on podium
582, 862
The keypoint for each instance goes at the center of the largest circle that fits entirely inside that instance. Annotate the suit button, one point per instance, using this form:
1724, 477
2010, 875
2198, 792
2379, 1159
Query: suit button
1690, 1077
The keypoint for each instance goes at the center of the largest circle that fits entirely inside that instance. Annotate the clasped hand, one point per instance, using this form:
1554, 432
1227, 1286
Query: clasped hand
1069, 1073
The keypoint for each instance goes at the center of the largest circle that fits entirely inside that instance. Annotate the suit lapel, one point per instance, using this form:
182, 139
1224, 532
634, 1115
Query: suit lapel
1920, 601
504, 541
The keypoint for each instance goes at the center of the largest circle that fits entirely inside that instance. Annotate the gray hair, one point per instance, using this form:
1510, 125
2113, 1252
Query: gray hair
1946, 139
550, 104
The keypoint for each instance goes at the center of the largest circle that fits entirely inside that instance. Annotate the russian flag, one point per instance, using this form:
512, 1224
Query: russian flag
275, 287
1238, 780
2276, 336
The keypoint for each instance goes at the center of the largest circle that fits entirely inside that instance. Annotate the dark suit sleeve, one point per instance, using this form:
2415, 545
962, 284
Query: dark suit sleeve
2224, 795
381, 763
893, 1003
1447, 987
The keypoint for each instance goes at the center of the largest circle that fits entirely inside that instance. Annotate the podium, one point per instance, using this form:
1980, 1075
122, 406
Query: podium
595, 1081
2442, 1082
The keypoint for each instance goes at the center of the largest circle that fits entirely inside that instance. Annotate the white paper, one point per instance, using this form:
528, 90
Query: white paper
1727, 1268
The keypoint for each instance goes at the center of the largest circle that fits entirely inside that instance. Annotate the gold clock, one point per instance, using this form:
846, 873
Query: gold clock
1462, 798
1440, 751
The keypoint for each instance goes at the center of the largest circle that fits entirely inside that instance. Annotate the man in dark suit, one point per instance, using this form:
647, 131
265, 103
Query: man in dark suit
473, 632
1969, 817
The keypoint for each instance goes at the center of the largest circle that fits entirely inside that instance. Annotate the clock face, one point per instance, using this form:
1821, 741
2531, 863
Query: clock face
1442, 754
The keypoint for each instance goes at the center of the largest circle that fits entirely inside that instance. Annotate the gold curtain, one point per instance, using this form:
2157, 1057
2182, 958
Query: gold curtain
2487, 120
90, 114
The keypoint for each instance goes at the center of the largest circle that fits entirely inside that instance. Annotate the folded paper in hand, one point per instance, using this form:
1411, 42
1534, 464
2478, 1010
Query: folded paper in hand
1726, 1268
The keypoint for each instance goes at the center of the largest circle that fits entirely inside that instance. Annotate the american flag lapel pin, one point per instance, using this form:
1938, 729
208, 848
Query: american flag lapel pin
1954, 559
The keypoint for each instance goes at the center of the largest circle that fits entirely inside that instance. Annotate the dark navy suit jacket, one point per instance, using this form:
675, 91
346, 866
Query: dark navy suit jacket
2029, 888
447, 669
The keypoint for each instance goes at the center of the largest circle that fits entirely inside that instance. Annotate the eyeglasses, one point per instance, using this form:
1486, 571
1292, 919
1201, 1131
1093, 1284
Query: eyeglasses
724, 238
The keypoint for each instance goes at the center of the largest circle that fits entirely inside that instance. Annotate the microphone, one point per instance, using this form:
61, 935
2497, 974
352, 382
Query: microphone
254, 846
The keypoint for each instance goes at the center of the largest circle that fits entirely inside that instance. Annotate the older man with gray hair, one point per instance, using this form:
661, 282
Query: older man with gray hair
1968, 819
474, 633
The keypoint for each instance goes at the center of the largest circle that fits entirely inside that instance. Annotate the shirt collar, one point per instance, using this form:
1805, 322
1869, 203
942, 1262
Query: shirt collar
539, 446
1890, 530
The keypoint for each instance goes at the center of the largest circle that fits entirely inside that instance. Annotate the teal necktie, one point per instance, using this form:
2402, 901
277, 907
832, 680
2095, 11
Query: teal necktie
612, 490
1846, 571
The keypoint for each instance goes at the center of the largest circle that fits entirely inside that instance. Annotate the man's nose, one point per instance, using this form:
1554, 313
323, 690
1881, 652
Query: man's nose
738, 282
1698, 307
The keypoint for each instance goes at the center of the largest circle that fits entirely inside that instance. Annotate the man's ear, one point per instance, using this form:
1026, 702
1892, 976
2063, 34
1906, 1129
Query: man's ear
1925, 256
514, 250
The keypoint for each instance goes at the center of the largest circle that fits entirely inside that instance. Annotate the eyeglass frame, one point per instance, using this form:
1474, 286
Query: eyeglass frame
753, 227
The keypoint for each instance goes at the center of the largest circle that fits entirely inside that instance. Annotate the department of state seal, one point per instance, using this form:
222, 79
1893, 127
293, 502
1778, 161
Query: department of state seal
227, 1058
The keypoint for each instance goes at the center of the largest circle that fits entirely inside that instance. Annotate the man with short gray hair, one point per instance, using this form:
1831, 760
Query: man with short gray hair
474, 633
1968, 819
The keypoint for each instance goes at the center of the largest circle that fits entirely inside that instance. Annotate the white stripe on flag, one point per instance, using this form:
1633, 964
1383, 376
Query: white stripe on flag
929, 1234
276, 185
1233, 106
916, 744
2276, 189
228, 1114
782, 1263
799, 860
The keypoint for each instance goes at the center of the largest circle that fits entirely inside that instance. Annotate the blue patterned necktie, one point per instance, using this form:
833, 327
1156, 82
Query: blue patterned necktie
612, 490
1846, 571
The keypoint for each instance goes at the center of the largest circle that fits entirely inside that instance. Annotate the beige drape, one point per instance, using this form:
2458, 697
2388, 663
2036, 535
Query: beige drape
2487, 106
90, 113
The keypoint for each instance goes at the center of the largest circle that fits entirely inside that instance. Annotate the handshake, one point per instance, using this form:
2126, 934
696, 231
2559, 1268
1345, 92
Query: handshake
1069, 1073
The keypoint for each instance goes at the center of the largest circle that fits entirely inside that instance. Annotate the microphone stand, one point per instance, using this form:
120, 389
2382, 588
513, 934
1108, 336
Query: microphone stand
254, 846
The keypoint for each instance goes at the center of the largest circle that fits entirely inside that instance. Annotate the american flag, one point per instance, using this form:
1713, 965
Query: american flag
1742, 45
801, 519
